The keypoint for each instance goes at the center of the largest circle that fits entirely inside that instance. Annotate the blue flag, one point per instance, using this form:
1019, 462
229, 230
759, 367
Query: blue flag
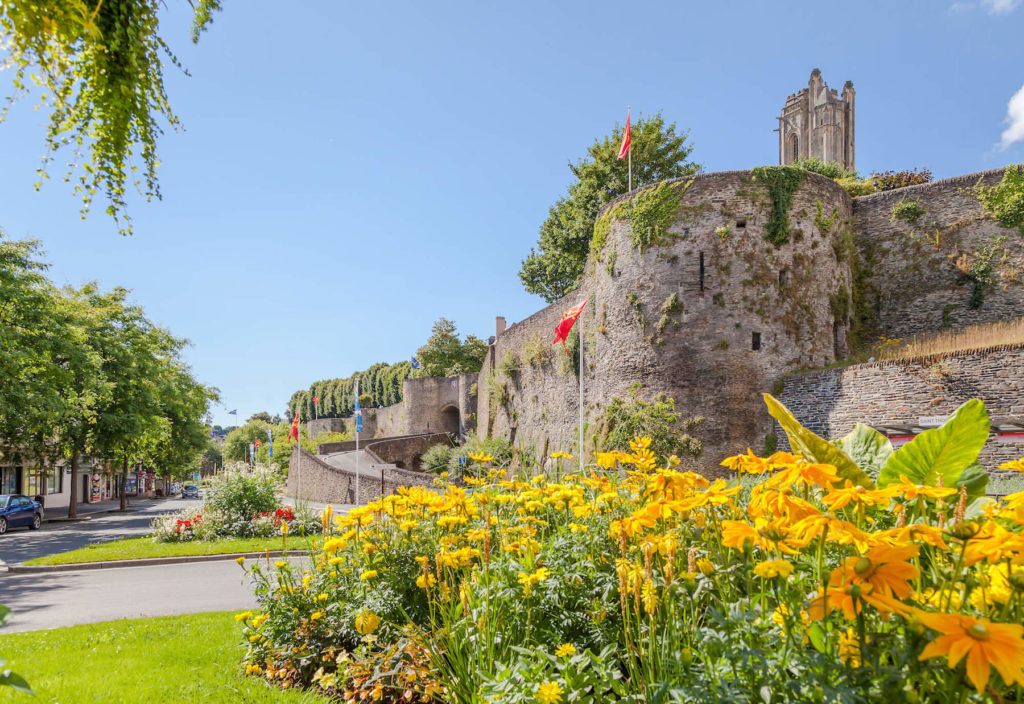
270, 445
415, 363
359, 411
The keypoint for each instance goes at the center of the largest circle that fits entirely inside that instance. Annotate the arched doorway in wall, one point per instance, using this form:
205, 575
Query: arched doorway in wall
450, 420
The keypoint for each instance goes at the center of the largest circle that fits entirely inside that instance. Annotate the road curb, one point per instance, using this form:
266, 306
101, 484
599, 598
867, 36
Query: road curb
147, 561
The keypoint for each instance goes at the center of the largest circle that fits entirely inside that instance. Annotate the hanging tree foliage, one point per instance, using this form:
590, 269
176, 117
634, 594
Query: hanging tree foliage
99, 66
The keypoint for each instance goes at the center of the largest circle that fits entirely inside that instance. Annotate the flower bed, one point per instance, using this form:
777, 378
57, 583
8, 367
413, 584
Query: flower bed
238, 505
849, 573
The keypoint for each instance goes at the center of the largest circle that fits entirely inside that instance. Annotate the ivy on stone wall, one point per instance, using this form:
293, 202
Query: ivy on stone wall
1004, 202
649, 213
908, 210
781, 182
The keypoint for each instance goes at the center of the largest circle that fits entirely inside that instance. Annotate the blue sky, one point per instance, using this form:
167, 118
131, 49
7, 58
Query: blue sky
350, 172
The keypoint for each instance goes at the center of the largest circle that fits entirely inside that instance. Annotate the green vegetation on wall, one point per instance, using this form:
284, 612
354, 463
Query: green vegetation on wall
1004, 202
907, 210
649, 213
781, 182
658, 420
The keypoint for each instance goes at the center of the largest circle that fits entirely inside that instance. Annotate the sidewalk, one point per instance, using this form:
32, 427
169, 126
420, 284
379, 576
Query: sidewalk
85, 511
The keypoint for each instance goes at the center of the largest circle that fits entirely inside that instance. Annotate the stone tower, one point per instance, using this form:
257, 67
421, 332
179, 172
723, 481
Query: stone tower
818, 122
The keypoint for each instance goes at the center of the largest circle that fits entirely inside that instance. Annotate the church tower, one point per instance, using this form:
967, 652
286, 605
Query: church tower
818, 122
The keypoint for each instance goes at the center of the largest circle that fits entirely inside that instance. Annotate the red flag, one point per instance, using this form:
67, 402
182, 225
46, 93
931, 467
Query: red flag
294, 432
257, 443
316, 399
565, 325
627, 139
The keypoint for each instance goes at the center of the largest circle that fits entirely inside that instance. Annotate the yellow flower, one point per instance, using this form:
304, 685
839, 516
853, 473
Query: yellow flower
549, 693
425, 581
244, 616
565, 649
316, 615
528, 580
481, 457
259, 620
1016, 465
986, 645
240, 560
284, 528
649, 594
565, 455
368, 574
849, 648
770, 569
280, 563
367, 622
607, 460
705, 566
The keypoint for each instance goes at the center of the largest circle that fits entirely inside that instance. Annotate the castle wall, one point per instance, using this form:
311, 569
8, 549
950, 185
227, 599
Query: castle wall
321, 426
660, 322
900, 393
324, 483
916, 281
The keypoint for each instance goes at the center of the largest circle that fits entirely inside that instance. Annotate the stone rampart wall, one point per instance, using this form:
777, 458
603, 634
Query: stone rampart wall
405, 452
321, 426
323, 483
916, 273
900, 393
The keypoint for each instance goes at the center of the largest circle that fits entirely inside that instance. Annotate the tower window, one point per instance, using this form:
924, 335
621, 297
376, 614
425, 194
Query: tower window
755, 341
783, 278
702, 271
794, 149
741, 223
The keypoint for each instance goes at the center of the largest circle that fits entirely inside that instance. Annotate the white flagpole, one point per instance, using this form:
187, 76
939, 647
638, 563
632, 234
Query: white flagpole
580, 322
358, 415
298, 470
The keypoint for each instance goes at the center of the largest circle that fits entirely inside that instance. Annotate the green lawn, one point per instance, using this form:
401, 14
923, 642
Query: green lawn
192, 658
138, 548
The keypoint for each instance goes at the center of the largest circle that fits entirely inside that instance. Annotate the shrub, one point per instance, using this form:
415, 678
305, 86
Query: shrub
436, 458
657, 420
888, 180
831, 169
237, 497
858, 187
908, 210
1005, 201
460, 462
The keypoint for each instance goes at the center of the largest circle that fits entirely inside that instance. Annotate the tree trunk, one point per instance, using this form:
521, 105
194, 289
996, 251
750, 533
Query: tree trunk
73, 499
124, 484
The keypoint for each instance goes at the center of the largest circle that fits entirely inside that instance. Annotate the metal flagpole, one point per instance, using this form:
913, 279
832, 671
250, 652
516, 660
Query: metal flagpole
581, 389
359, 425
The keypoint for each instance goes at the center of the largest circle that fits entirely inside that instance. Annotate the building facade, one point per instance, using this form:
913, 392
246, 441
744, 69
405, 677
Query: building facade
818, 122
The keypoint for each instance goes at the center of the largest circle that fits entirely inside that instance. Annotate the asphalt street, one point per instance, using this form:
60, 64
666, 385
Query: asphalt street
21, 544
51, 600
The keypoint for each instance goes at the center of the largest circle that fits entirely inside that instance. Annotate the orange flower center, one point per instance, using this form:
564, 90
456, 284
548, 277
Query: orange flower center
978, 632
863, 566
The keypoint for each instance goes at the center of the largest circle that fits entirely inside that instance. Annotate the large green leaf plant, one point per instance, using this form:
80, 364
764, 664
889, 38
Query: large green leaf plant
866, 457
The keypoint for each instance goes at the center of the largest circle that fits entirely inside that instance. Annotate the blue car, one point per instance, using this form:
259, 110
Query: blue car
17, 511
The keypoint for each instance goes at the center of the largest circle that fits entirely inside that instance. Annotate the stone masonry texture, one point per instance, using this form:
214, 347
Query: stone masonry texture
715, 315
900, 393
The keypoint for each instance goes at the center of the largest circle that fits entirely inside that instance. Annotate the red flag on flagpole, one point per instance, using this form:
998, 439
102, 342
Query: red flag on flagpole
627, 139
316, 399
294, 432
565, 325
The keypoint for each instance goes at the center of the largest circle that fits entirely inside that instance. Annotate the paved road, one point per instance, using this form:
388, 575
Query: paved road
22, 544
88, 596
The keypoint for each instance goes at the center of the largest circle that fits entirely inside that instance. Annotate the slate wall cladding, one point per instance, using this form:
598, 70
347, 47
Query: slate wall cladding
832, 401
915, 285
730, 284
326, 484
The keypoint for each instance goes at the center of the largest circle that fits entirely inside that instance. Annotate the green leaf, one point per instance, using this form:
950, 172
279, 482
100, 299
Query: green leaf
947, 452
15, 681
814, 448
817, 636
867, 447
975, 479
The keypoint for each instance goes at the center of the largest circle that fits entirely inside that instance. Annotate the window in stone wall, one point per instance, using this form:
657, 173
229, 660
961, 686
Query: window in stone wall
783, 278
702, 271
755, 341
741, 223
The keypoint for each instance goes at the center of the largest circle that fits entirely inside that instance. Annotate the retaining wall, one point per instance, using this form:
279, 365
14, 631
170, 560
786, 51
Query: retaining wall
900, 393
323, 483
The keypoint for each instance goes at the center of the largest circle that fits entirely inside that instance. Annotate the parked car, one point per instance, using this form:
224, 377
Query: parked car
191, 491
17, 511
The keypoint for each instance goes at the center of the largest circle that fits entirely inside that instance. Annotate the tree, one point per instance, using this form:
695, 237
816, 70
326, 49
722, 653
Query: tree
446, 355
99, 64
263, 416
555, 267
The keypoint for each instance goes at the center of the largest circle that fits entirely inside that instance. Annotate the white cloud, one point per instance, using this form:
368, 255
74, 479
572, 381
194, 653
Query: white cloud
1000, 7
1015, 118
